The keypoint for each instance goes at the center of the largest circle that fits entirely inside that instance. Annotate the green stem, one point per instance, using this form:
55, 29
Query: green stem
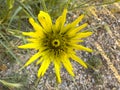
37, 82
10, 51
25, 8
91, 67
44, 5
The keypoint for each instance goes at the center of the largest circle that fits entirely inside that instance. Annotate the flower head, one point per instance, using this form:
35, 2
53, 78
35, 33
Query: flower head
55, 43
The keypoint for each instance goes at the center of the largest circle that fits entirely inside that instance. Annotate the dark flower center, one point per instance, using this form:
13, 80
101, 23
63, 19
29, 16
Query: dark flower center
56, 43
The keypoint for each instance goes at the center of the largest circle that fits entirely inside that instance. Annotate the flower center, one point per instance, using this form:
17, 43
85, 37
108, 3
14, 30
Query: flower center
56, 43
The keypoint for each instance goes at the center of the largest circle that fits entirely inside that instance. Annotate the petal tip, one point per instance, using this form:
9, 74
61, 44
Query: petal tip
19, 46
31, 20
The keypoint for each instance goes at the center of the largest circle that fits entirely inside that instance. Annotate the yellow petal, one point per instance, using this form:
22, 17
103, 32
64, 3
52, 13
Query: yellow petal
45, 21
68, 66
33, 58
77, 29
57, 69
39, 61
33, 40
31, 34
83, 35
61, 20
36, 26
75, 41
29, 45
43, 68
74, 23
77, 59
80, 47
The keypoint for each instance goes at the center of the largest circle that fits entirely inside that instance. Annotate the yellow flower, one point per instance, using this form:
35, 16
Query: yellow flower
55, 43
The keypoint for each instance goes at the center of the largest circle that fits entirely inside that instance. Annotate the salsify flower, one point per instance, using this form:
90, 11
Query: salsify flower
55, 43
